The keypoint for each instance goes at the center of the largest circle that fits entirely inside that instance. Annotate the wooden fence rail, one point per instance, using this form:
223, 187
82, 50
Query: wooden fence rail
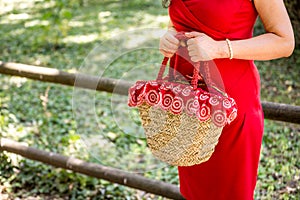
273, 111
91, 169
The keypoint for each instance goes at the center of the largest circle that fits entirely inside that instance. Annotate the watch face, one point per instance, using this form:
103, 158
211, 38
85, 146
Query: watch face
166, 3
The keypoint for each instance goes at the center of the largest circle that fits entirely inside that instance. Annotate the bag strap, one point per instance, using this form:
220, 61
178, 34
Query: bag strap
204, 65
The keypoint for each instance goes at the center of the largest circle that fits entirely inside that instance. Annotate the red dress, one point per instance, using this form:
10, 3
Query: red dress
231, 172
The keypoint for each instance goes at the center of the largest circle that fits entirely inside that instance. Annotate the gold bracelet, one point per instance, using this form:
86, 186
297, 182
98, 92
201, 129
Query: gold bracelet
230, 49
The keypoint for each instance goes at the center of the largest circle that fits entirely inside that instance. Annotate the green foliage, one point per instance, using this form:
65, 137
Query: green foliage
278, 175
6, 167
41, 114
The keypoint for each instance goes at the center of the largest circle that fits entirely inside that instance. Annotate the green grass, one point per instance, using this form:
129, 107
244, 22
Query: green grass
57, 118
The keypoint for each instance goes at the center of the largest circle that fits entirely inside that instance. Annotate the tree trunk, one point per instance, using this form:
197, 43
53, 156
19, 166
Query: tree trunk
293, 8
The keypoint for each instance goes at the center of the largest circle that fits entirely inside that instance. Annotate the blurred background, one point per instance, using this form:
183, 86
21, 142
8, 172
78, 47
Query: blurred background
61, 34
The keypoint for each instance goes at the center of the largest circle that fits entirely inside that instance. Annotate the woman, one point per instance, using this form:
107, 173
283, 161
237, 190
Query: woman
222, 31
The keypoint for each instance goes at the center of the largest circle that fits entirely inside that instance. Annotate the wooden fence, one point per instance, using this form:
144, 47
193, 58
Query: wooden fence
273, 111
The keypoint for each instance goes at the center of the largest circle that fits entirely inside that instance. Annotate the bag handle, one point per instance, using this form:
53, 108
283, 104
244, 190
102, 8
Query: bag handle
181, 36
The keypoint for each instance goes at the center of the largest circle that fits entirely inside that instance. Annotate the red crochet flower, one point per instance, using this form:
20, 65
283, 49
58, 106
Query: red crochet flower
152, 97
232, 116
219, 118
192, 106
167, 100
204, 113
177, 105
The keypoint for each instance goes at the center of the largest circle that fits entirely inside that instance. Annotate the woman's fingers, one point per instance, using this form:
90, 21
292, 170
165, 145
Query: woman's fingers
167, 51
200, 46
167, 54
169, 44
194, 34
172, 39
190, 42
194, 50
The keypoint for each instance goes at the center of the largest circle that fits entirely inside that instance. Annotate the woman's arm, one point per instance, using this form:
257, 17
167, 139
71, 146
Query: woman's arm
277, 42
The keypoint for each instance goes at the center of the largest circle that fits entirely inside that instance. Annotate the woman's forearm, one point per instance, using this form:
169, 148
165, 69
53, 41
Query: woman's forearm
277, 42
263, 47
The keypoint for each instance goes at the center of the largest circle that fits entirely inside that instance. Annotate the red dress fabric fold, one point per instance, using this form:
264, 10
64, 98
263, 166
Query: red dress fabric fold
231, 172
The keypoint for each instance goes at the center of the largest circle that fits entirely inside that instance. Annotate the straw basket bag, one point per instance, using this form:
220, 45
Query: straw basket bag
182, 121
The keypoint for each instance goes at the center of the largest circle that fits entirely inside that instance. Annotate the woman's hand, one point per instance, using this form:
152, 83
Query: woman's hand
168, 44
201, 47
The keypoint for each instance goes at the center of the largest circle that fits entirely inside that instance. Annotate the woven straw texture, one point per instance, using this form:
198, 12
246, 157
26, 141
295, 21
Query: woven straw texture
178, 139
